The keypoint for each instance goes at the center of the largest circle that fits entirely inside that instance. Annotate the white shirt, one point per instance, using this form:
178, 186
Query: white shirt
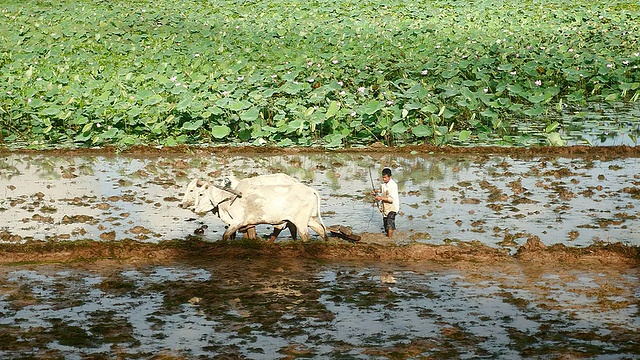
390, 190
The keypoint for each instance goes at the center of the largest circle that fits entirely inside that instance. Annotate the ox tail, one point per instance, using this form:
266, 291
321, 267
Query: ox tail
319, 217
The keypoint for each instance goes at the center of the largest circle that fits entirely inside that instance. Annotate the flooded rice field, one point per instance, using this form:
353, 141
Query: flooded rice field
269, 309
497, 255
497, 200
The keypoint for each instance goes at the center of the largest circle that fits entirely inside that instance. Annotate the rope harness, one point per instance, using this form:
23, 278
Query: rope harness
216, 207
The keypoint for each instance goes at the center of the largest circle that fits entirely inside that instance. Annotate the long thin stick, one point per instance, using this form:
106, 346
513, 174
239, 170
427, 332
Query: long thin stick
373, 187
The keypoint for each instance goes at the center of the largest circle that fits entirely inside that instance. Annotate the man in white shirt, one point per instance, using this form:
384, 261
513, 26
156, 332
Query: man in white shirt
388, 195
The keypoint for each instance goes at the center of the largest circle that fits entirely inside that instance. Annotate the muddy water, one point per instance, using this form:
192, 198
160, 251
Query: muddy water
267, 309
497, 200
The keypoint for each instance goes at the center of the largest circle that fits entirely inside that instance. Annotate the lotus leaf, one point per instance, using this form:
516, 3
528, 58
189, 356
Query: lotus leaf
296, 72
220, 131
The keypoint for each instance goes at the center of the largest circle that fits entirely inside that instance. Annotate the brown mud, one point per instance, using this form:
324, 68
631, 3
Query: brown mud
253, 300
373, 247
588, 152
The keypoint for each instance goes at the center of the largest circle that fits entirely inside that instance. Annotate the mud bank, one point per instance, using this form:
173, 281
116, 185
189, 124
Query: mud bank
376, 250
576, 150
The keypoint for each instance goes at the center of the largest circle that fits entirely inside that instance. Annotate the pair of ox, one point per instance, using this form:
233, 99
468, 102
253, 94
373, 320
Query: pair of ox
276, 199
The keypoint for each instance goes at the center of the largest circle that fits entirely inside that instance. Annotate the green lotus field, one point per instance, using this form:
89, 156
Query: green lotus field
309, 73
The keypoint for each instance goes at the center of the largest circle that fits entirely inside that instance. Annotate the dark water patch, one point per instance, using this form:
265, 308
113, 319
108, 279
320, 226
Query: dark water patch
261, 308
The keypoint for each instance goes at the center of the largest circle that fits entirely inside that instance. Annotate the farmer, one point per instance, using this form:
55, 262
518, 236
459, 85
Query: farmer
388, 195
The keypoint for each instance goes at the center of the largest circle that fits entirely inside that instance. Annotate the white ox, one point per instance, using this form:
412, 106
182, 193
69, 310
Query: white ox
231, 182
196, 186
252, 204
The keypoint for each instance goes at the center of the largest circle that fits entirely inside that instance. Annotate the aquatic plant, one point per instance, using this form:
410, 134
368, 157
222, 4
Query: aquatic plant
84, 73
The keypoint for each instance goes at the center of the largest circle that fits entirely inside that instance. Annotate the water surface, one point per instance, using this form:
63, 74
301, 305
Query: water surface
268, 309
497, 200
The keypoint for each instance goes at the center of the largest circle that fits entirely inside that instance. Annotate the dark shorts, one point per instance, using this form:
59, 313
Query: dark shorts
389, 221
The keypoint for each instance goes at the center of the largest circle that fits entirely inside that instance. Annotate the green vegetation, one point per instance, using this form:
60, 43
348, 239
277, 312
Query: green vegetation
292, 72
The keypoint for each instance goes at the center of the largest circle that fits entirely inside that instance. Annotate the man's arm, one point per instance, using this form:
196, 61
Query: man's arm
387, 199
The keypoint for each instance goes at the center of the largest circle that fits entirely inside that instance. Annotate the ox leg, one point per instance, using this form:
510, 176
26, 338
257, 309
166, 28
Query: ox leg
302, 231
277, 229
251, 232
304, 236
230, 233
274, 234
318, 227
293, 230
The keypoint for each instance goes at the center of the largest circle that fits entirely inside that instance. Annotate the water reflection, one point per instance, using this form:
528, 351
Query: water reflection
497, 200
603, 125
318, 310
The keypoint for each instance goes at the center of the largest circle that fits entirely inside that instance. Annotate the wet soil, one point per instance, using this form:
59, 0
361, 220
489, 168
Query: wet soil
251, 300
372, 247
501, 253
495, 192
500, 197
588, 152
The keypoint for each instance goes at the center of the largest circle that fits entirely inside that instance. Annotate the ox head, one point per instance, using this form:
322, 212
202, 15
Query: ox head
211, 196
204, 201
194, 188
